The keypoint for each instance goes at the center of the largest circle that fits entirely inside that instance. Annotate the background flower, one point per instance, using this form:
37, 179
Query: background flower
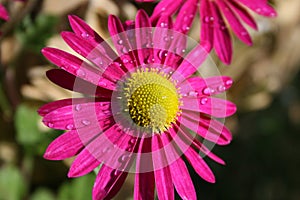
216, 18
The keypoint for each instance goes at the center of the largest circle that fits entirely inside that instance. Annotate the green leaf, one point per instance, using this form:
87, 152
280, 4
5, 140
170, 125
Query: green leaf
42, 194
77, 189
12, 184
26, 125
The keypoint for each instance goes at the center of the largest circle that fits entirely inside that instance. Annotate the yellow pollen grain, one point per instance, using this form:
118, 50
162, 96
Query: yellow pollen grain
152, 99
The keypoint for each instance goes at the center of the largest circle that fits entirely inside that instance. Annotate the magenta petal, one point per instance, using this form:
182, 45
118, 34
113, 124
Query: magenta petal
3, 13
65, 146
208, 86
73, 83
179, 173
76, 116
222, 39
77, 67
193, 142
163, 179
212, 106
165, 7
144, 181
121, 42
108, 182
98, 55
207, 21
208, 129
186, 16
260, 7
83, 164
45, 109
195, 159
182, 180
191, 62
234, 23
143, 35
243, 13
83, 30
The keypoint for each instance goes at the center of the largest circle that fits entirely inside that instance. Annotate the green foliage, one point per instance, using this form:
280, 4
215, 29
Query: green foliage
26, 121
42, 194
34, 34
78, 189
12, 184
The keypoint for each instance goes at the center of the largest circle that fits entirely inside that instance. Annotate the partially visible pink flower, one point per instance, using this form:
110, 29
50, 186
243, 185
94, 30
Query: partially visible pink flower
217, 16
3, 13
142, 106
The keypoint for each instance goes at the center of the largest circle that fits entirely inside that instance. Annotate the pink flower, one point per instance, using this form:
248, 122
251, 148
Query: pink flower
217, 16
142, 108
3, 13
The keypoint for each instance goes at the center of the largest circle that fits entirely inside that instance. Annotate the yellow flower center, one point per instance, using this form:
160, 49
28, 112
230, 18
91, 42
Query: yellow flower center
152, 100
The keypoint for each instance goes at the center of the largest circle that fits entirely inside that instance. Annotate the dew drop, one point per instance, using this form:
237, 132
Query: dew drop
167, 39
206, 91
106, 149
78, 107
124, 50
193, 93
203, 100
69, 126
85, 122
208, 19
124, 157
244, 33
80, 73
185, 27
125, 61
221, 88
120, 42
229, 82
102, 84
50, 125
258, 10
132, 141
163, 24
85, 35
162, 54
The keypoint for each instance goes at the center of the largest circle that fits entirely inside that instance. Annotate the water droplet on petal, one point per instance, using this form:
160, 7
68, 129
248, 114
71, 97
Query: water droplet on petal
120, 42
229, 82
193, 93
221, 88
162, 54
85, 122
163, 24
50, 125
133, 140
106, 149
102, 84
258, 10
208, 19
80, 73
244, 33
85, 35
78, 107
124, 50
203, 100
206, 91
124, 157
69, 126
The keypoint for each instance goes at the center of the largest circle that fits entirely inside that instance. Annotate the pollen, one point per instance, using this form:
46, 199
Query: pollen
152, 99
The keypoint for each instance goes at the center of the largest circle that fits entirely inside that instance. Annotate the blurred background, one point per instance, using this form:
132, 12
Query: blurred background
263, 160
